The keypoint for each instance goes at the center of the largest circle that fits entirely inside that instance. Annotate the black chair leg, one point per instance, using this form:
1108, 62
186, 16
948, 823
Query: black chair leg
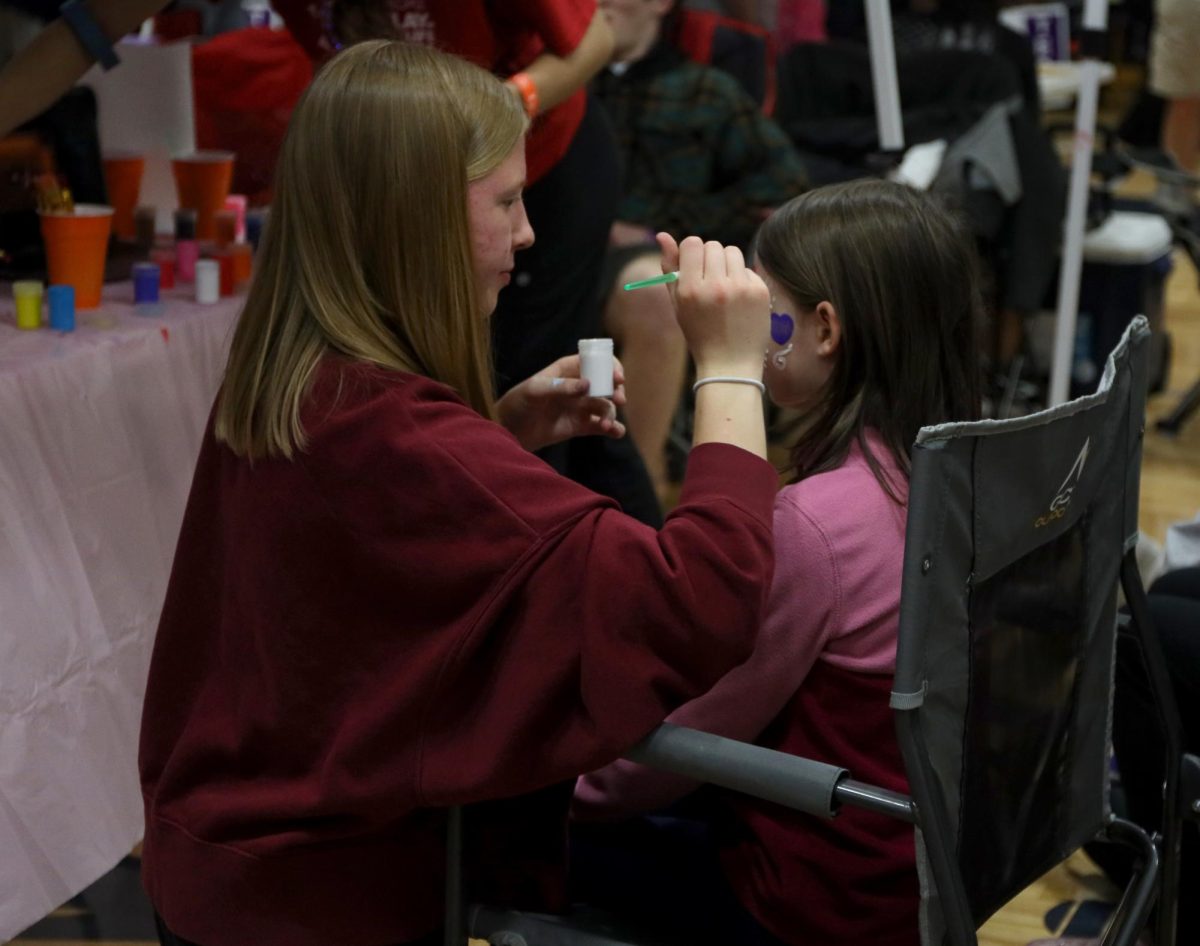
1129, 919
1173, 422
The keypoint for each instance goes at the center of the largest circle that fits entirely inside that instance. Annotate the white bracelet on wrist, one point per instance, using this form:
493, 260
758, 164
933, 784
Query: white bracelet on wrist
729, 379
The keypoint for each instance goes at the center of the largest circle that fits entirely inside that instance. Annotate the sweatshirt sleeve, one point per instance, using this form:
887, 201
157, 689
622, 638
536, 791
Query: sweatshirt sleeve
802, 612
602, 628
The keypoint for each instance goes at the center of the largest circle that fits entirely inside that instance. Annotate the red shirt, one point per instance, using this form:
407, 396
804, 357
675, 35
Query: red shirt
503, 38
838, 882
415, 613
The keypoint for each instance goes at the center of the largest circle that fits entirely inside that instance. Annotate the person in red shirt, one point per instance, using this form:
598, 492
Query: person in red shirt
382, 603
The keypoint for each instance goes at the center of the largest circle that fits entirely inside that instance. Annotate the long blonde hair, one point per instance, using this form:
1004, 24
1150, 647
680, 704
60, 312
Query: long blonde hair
367, 251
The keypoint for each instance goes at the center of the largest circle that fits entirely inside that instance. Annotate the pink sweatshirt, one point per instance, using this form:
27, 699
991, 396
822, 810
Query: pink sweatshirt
816, 686
839, 542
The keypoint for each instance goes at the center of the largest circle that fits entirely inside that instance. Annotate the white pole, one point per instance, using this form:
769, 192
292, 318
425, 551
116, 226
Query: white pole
883, 75
1095, 17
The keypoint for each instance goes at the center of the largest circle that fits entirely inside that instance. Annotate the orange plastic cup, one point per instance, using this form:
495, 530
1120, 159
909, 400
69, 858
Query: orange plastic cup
202, 181
76, 250
243, 262
123, 178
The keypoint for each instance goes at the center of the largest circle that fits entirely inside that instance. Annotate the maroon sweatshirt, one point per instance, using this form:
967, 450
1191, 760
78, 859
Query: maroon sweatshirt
413, 614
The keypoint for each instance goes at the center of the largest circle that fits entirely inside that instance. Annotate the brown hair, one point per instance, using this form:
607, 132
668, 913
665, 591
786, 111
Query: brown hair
902, 274
367, 251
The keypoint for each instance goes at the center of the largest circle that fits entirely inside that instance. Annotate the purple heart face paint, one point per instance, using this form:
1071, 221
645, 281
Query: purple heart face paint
782, 327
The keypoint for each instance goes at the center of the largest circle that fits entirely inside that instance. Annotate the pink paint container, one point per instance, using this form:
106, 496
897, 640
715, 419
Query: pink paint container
187, 252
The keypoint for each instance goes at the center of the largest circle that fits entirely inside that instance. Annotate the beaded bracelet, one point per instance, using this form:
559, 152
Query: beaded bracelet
729, 379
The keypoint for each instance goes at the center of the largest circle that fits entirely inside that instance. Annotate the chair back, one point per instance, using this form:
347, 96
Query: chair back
1003, 687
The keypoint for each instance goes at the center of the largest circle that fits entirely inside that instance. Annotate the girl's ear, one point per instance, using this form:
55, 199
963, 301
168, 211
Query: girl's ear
829, 329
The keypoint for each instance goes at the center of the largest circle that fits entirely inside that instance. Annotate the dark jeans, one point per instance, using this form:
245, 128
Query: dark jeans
167, 938
662, 872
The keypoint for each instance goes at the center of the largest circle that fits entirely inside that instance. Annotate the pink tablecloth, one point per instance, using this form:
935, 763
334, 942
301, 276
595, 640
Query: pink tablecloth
99, 430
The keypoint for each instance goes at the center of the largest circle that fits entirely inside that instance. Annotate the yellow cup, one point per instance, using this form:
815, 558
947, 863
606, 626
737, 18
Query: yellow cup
76, 250
28, 295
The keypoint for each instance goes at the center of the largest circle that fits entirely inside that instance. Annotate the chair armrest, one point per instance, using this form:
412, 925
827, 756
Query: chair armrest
802, 784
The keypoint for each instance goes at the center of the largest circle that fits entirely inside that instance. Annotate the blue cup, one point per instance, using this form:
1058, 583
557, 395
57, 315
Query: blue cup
145, 283
61, 300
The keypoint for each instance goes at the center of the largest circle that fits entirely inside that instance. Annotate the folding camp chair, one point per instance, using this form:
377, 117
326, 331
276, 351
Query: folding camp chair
1018, 534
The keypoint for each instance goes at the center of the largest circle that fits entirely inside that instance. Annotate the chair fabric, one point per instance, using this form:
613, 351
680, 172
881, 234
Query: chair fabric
1013, 554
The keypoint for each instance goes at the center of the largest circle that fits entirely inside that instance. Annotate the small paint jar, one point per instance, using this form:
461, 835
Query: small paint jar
187, 252
61, 302
596, 365
27, 294
185, 223
256, 220
145, 219
237, 203
226, 223
164, 258
243, 259
208, 281
145, 283
224, 261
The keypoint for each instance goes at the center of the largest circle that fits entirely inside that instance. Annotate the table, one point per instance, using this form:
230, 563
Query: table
1059, 82
99, 431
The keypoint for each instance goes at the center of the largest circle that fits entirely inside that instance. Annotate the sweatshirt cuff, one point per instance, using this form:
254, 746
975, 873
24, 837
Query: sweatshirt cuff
723, 470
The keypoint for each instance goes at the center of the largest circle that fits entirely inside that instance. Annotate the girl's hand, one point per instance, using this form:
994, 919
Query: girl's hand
553, 406
723, 307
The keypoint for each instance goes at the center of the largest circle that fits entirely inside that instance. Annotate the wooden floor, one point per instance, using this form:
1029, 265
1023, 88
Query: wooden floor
1171, 465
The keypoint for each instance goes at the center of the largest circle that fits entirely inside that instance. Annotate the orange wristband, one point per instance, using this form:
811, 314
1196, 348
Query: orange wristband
529, 93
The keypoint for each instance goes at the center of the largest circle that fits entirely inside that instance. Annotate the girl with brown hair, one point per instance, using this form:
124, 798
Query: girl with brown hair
875, 299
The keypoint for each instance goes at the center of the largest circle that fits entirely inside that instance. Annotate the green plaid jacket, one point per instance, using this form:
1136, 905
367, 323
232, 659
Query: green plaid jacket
697, 155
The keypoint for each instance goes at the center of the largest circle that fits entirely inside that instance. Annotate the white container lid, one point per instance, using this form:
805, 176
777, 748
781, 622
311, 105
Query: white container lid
1128, 238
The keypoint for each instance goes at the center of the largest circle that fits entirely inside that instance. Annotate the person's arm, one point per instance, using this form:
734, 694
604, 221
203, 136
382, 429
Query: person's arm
558, 77
801, 617
46, 69
604, 625
724, 310
553, 406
